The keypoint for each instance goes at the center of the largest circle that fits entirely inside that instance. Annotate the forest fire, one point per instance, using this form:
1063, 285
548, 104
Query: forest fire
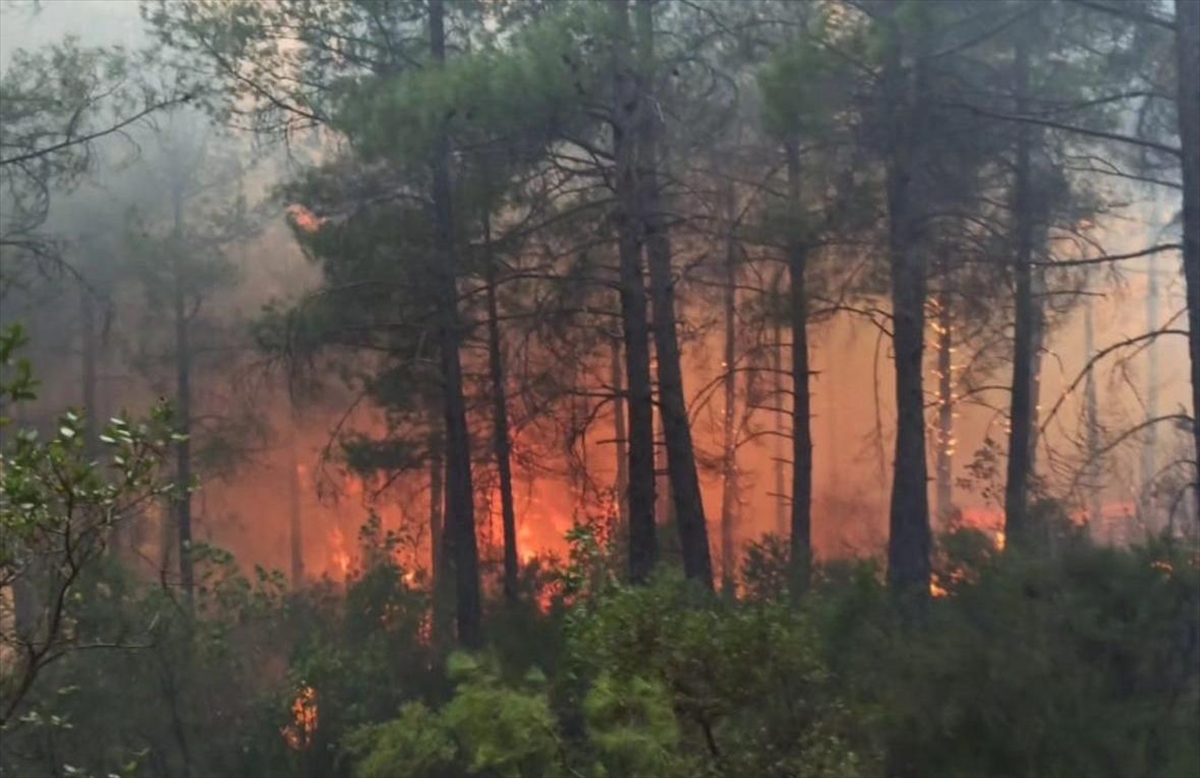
300, 731
591, 339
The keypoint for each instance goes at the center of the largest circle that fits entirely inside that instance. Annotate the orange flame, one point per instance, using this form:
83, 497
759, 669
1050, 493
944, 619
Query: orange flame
304, 219
299, 733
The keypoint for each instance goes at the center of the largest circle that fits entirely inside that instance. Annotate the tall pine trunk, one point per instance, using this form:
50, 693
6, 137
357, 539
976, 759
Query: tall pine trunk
909, 537
295, 513
1020, 447
460, 505
87, 344
183, 404
1187, 50
945, 407
437, 498
643, 533
729, 471
501, 443
781, 512
620, 432
802, 447
681, 458
1092, 418
1149, 506
442, 584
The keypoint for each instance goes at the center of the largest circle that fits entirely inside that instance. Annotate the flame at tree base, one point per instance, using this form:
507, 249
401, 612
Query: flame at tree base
300, 732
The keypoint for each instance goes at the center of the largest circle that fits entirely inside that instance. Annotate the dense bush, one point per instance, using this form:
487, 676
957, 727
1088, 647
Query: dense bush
1084, 663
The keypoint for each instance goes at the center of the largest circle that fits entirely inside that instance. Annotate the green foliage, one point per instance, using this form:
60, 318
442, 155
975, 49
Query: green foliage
59, 507
17, 383
1083, 663
1075, 665
487, 729
414, 745
747, 682
632, 728
503, 731
589, 573
511, 95
803, 90
765, 570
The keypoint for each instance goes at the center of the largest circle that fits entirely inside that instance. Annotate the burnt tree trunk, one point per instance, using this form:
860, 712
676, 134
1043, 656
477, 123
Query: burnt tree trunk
681, 459
460, 507
1187, 49
802, 447
1020, 448
909, 537
643, 539
501, 442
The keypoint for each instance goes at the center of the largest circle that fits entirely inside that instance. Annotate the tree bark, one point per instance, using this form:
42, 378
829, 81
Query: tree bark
802, 446
1149, 505
681, 459
460, 505
183, 404
502, 445
1187, 51
295, 515
620, 432
781, 511
1020, 449
1092, 417
437, 497
729, 472
909, 539
945, 404
87, 338
442, 585
643, 533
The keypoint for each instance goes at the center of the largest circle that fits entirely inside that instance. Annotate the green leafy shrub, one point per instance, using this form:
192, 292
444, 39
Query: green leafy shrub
487, 729
413, 745
747, 683
632, 729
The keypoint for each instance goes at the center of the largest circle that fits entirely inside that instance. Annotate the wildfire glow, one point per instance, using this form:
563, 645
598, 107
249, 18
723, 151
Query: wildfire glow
299, 733
304, 219
338, 553
525, 542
